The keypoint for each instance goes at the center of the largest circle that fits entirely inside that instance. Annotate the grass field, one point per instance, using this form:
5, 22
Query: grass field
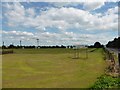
51, 68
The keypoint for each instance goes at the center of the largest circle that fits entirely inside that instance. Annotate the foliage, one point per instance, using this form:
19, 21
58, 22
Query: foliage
105, 81
114, 44
97, 45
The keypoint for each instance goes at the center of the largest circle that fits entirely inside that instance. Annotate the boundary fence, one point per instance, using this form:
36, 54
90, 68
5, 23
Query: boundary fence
109, 55
6, 52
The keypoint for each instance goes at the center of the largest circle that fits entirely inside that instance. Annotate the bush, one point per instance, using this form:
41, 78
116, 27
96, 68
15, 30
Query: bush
105, 81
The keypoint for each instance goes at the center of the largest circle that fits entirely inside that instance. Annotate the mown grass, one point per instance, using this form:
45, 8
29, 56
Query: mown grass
51, 68
47, 50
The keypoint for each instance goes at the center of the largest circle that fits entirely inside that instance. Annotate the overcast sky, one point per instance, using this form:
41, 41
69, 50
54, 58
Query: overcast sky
59, 23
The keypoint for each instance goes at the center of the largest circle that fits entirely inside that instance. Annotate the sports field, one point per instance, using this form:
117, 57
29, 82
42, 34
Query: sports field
51, 68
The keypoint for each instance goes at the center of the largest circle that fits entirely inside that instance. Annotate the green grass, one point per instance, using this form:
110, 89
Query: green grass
51, 68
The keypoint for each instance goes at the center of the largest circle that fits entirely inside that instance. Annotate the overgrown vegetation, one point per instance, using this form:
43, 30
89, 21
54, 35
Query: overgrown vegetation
105, 81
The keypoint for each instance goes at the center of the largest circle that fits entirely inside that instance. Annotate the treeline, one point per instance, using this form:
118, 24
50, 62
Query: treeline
114, 44
18, 47
96, 45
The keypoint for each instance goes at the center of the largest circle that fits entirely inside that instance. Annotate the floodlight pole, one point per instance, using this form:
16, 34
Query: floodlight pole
37, 42
20, 43
3, 45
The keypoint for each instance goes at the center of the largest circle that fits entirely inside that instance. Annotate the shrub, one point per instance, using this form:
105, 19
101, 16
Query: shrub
105, 81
